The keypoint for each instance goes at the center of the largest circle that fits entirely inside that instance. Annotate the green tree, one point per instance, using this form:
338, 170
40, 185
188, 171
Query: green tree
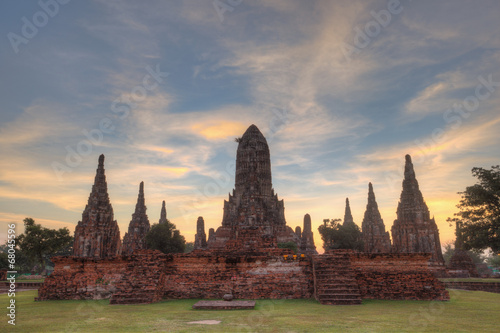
165, 238
493, 261
38, 243
4, 261
288, 245
449, 251
189, 247
480, 211
337, 236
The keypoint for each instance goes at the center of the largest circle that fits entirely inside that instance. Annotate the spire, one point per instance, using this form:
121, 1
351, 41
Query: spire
140, 199
200, 239
411, 203
138, 227
163, 214
253, 163
409, 171
307, 223
298, 232
375, 238
307, 239
99, 195
414, 230
459, 241
347, 216
372, 203
97, 234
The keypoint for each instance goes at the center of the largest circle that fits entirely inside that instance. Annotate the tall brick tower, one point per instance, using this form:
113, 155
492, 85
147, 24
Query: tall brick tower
306, 238
97, 234
200, 238
414, 230
163, 213
375, 238
348, 219
253, 214
138, 227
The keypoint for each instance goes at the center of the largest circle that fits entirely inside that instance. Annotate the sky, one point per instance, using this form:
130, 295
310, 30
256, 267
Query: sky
342, 90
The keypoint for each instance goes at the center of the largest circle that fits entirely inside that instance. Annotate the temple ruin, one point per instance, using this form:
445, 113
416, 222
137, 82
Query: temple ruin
138, 227
243, 256
375, 238
163, 214
97, 235
414, 230
348, 219
253, 211
200, 239
306, 237
461, 264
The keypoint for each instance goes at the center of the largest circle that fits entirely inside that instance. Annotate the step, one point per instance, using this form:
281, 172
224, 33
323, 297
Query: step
334, 272
343, 302
333, 291
337, 296
335, 284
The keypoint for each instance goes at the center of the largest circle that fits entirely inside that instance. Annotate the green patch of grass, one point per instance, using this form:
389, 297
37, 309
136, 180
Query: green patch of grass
468, 311
469, 280
26, 280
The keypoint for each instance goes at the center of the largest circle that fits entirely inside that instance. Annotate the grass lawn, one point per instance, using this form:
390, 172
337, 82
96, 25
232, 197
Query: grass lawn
468, 311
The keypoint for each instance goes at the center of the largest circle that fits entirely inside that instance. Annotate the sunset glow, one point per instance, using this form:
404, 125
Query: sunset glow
163, 88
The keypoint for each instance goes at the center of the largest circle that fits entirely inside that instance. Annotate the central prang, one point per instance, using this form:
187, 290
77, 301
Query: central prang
253, 217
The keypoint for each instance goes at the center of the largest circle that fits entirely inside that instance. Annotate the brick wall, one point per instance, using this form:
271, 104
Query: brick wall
247, 277
397, 276
492, 287
204, 274
83, 278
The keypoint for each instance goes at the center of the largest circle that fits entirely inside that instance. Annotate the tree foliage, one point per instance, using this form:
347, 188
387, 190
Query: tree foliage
449, 251
4, 260
337, 236
288, 245
38, 243
480, 211
189, 247
165, 238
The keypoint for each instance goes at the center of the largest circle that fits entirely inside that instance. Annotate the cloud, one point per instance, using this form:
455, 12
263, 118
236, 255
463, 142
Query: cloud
216, 130
35, 124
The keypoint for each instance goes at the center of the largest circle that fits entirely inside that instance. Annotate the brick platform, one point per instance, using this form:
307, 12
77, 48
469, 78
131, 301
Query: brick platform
491, 287
210, 275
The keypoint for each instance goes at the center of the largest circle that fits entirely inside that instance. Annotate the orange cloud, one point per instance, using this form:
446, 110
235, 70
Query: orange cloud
219, 130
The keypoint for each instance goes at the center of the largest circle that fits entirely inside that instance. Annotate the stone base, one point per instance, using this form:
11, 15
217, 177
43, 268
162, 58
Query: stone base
224, 305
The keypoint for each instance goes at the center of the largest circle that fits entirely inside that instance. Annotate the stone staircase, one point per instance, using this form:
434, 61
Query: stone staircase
334, 279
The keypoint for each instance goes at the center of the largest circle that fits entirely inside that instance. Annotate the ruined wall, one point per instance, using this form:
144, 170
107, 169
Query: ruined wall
83, 278
203, 275
144, 279
198, 275
397, 276
491, 287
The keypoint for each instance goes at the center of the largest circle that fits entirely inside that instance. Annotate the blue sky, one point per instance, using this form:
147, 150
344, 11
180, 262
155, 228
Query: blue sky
342, 91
